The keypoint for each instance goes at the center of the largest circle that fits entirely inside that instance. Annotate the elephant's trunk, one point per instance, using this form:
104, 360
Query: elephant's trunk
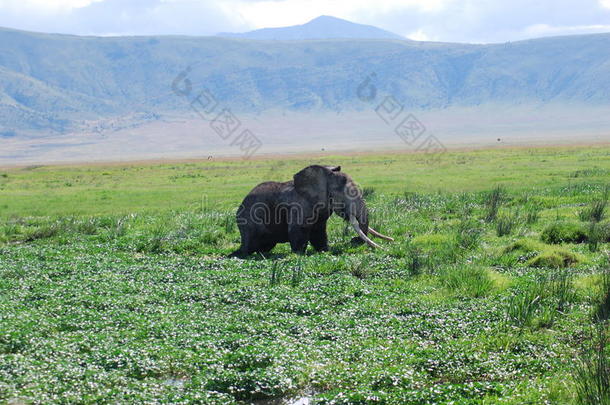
352, 207
357, 211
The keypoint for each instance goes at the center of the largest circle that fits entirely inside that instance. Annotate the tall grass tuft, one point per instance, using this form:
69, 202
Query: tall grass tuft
596, 211
592, 372
297, 274
560, 288
468, 234
506, 223
594, 237
368, 192
467, 281
229, 223
493, 202
521, 307
540, 302
156, 241
415, 261
532, 214
602, 309
276, 274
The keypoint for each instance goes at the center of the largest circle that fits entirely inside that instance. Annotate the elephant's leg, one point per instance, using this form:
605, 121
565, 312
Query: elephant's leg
247, 243
299, 237
266, 247
318, 237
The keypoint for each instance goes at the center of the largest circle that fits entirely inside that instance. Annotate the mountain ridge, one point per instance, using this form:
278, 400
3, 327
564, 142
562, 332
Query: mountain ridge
56, 83
322, 27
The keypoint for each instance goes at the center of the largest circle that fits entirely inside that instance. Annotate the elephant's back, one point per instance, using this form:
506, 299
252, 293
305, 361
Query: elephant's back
268, 189
268, 193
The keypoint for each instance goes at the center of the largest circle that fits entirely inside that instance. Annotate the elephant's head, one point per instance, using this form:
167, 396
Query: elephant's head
329, 188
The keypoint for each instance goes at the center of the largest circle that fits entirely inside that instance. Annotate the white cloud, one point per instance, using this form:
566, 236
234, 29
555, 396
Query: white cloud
418, 35
45, 5
604, 3
539, 30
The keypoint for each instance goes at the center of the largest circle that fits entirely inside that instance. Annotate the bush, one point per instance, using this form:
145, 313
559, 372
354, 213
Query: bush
564, 232
525, 246
538, 254
555, 258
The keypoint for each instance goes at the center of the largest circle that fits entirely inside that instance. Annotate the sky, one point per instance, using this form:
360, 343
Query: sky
473, 21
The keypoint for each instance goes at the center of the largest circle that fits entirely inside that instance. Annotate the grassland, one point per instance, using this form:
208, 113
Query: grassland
114, 286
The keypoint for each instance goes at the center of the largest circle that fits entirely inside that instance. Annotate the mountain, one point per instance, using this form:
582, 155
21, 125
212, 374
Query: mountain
323, 27
55, 84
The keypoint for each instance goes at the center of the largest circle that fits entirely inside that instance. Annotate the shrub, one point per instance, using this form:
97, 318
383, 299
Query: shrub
555, 258
525, 246
538, 254
519, 252
564, 232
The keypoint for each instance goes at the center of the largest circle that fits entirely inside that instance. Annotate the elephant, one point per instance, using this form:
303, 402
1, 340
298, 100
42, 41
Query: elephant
297, 211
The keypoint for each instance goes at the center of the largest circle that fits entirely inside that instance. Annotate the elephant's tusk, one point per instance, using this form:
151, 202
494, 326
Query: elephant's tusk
356, 226
380, 235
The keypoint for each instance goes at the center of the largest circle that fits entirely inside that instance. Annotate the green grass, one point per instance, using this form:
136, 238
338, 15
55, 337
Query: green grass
116, 289
125, 188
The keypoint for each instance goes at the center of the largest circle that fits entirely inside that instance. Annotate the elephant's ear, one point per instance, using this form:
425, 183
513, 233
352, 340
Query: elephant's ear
311, 183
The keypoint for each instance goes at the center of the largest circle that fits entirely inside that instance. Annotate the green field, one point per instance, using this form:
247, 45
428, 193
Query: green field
114, 287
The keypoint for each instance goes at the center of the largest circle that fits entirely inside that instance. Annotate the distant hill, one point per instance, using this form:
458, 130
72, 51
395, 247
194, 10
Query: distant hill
61, 83
323, 27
